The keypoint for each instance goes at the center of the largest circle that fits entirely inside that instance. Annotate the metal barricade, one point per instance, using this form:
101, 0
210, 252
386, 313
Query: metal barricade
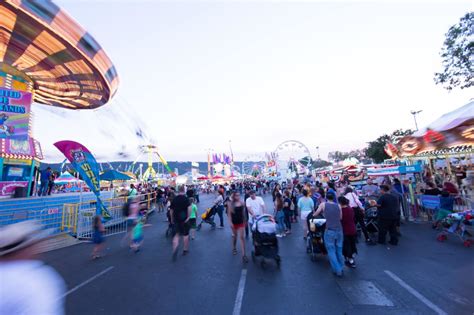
117, 223
423, 209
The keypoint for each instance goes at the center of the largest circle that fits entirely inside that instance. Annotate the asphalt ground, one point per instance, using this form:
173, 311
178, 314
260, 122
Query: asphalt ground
420, 276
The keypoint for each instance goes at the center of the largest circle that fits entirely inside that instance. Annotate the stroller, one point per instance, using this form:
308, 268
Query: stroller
315, 239
264, 240
208, 217
371, 223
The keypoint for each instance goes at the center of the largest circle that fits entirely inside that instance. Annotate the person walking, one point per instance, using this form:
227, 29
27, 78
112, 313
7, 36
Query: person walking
219, 204
180, 211
349, 248
287, 211
279, 214
98, 237
305, 206
193, 218
255, 206
333, 236
238, 221
388, 215
359, 213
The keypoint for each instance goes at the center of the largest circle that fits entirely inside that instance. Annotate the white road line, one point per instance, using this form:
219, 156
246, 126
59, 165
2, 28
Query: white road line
417, 294
240, 293
77, 287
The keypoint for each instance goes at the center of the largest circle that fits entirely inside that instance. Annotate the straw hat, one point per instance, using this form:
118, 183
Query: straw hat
20, 235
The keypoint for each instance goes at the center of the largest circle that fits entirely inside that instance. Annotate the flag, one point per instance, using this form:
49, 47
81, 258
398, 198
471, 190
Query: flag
85, 164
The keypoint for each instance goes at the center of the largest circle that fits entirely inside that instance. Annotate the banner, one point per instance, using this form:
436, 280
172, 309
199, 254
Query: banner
14, 114
84, 162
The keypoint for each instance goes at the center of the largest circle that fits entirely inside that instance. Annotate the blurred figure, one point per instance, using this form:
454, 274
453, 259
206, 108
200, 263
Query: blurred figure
137, 235
180, 212
98, 237
27, 285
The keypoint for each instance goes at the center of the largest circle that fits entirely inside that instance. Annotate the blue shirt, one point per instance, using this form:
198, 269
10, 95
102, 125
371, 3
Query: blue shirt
306, 204
45, 174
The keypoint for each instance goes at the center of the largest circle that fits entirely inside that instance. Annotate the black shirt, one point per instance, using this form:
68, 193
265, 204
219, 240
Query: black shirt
287, 201
432, 192
190, 193
389, 206
180, 206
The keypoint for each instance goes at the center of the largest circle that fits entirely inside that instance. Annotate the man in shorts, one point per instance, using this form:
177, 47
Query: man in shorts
180, 212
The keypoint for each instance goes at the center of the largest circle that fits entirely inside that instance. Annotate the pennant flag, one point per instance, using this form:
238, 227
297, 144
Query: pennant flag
85, 164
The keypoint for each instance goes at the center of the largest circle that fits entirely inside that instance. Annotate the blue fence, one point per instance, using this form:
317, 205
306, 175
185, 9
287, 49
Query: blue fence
48, 210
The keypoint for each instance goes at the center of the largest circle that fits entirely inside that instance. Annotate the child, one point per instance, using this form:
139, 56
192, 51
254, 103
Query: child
98, 237
349, 248
137, 235
192, 217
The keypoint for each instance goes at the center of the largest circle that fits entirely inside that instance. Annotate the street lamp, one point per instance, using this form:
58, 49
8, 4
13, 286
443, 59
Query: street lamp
317, 148
414, 113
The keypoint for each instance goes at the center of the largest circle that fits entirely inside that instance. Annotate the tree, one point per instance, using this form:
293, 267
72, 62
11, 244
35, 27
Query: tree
456, 54
337, 156
376, 149
320, 163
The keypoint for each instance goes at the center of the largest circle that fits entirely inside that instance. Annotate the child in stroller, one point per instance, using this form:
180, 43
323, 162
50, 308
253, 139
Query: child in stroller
371, 223
315, 239
208, 217
264, 239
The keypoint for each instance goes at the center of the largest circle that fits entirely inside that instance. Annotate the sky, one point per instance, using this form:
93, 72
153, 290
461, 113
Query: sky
196, 75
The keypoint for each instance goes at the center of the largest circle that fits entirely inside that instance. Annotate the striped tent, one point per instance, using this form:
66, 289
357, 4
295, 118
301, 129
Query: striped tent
42, 49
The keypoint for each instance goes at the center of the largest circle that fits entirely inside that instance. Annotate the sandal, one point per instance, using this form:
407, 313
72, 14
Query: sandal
234, 251
245, 259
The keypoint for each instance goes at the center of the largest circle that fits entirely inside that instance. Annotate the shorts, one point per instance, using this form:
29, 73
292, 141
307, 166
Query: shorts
192, 223
97, 237
304, 215
238, 226
181, 228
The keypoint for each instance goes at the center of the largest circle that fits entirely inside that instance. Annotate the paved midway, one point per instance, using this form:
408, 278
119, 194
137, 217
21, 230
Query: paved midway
420, 276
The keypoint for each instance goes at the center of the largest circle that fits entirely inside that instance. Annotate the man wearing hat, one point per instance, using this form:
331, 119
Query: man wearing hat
27, 285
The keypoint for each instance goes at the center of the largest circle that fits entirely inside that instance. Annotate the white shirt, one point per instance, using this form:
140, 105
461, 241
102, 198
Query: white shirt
256, 205
30, 287
354, 201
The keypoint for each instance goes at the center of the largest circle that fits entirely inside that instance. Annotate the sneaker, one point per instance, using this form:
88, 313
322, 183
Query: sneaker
279, 235
352, 263
220, 227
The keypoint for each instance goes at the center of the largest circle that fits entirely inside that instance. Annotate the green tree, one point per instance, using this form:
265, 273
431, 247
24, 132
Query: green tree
376, 149
457, 55
320, 163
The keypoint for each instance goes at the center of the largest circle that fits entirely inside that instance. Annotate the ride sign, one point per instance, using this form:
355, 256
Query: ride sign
14, 114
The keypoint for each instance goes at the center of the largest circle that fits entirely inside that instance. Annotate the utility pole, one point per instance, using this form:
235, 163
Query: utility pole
414, 113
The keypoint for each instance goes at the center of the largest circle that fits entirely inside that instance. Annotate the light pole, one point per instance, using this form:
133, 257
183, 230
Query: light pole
317, 148
414, 113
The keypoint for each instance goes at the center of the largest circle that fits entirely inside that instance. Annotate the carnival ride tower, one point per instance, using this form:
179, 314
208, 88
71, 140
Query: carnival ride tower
151, 151
46, 58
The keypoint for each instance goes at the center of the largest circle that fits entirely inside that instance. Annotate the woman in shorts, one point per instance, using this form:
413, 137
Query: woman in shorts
238, 220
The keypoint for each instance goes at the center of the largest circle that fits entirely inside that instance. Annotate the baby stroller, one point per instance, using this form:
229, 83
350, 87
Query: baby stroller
208, 217
264, 240
315, 239
371, 223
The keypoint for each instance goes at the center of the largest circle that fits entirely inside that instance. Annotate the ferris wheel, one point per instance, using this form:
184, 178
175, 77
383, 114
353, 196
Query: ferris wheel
293, 155
253, 164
